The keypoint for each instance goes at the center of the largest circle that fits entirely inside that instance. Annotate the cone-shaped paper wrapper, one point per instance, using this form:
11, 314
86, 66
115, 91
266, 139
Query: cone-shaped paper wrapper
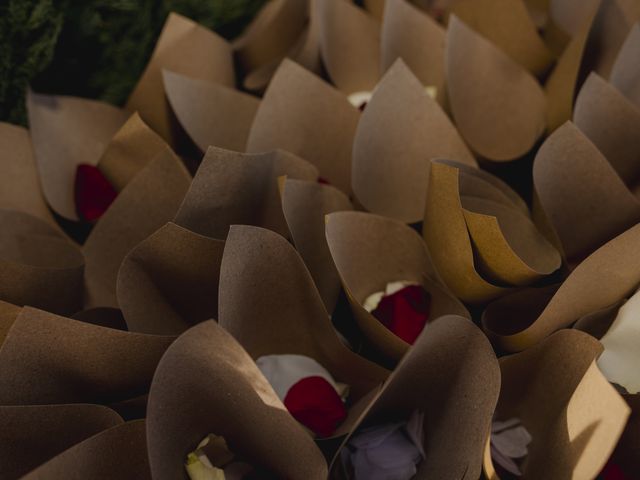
508, 25
169, 281
575, 417
119, 452
19, 183
304, 115
65, 132
581, 194
375, 7
451, 375
612, 123
625, 74
498, 106
150, 200
607, 276
269, 303
186, 48
401, 130
410, 34
32, 435
349, 44
39, 266
129, 151
271, 33
47, 359
210, 113
239, 188
371, 251
103, 317
206, 383
570, 15
305, 205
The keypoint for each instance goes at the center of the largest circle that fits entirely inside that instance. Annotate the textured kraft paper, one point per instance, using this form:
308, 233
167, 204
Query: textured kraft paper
212, 386
65, 132
508, 25
583, 197
410, 34
271, 33
239, 188
612, 123
575, 417
20, 187
349, 45
570, 15
451, 375
399, 132
150, 200
186, 48
625, 73
608, 275
269, 303
39, 266
31, 435
304, 115
210, 113
393, 252
47, 359
375, 8
169, 281
103, 317
305, 205
498, 106
118, 452
129, 151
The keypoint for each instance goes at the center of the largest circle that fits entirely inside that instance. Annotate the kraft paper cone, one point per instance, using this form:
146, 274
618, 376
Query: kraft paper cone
305, 205
129, 151
271, 33
65, 132
169, 281
262, 266
239, 188
31, 435
392, 252
597, 323
581, 194
103, 317
349, 44
19, 183
410, 34
8, 315
210, 113
119, 452
508, 25
570, 15
39, 266
575, 417
307, 117
375, 8
150, 200
612, 123
48, 359
498, 106
401, 129
186, 48
451, 375
212, 386
625, 73
608, 275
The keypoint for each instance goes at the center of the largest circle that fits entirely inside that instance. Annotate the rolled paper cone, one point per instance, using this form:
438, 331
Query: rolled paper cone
625, 71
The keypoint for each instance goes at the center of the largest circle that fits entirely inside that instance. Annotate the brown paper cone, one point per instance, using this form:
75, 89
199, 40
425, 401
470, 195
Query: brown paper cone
392, 252
597, 323
401, 129
625, 71
498, 106
186, 48
169, 281
65, 132
575, 417
570, 15
150, 200
303, 115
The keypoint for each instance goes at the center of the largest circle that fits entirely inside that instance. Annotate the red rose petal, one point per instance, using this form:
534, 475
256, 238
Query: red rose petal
323, 181
93, 193
315, 403
611, 471
405, 312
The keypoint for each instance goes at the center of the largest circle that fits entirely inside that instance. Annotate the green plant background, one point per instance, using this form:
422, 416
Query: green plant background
92, 48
